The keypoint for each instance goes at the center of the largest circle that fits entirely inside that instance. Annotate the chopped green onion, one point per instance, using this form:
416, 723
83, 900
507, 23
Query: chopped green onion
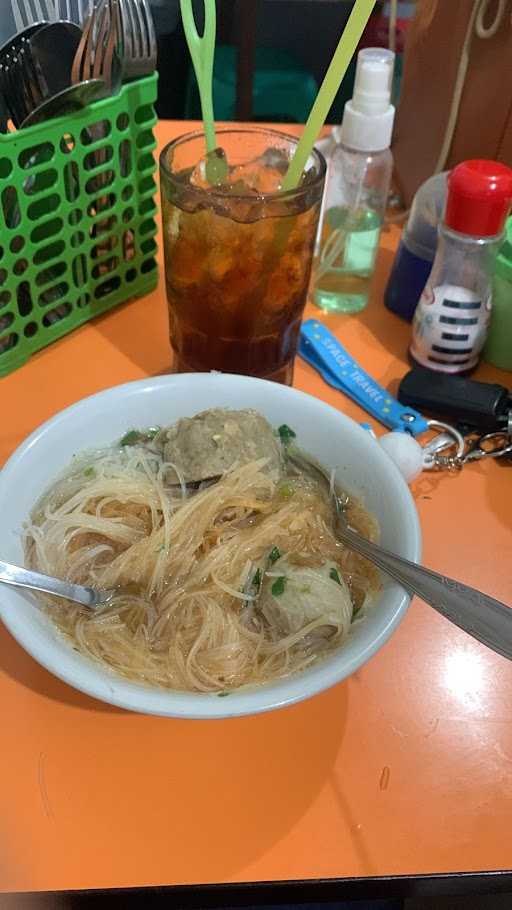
286, 490
134, 436
286, 434
131, 438
335, 576
279, 586
89, 472
257, 578
223, 694
274, 554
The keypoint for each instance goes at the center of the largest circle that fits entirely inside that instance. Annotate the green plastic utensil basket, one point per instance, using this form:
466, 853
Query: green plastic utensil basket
77, 226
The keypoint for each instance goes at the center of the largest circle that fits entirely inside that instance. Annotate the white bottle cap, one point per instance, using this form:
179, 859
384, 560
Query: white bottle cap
368, 118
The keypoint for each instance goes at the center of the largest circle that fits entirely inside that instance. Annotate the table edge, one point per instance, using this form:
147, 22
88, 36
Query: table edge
269, 893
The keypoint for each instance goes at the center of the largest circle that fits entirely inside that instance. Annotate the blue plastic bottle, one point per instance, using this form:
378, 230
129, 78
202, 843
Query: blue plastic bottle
417, 249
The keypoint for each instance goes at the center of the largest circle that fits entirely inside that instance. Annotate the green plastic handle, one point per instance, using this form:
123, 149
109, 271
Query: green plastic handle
338, 67
202, 49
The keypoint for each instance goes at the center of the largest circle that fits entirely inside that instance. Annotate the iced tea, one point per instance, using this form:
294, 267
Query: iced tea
238, 254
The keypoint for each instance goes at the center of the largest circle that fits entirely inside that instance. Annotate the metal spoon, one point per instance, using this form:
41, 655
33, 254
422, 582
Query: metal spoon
52, 51
71, 99
486, 619
80, 594
24, 578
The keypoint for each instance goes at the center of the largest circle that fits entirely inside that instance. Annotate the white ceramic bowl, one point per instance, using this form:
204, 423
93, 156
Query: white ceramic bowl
334, 439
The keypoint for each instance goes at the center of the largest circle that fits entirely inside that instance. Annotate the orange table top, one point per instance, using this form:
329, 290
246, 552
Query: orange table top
405, 768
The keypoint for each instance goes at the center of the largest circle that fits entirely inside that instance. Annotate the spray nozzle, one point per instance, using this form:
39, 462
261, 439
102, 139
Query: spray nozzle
374, 79
368, 117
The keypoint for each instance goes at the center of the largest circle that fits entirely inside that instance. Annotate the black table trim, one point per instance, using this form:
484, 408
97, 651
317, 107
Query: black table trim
267, 894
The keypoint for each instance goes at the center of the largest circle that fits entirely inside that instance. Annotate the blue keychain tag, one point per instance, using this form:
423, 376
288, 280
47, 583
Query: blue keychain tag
322, 350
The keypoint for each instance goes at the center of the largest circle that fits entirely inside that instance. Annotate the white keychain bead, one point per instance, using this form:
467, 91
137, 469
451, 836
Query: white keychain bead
406, 452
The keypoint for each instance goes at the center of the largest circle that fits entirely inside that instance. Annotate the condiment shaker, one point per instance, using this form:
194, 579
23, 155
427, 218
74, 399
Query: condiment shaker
453, 315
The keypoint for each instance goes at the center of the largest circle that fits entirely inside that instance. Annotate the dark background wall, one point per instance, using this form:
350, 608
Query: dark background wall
308, 28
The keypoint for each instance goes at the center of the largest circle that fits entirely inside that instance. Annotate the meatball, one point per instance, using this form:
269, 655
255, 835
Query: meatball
301, 595
216, 440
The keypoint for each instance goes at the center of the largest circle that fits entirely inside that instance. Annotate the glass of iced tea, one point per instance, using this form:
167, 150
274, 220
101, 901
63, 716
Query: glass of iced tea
238, 252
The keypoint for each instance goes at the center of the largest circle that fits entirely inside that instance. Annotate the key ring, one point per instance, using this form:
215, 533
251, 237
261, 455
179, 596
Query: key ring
322, 350
477, 449
450, 437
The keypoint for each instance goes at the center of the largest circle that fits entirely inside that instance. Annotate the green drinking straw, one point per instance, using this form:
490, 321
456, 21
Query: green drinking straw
338, 67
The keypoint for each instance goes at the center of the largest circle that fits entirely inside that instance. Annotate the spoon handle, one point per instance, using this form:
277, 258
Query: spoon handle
202, 50
24, 578
486, 619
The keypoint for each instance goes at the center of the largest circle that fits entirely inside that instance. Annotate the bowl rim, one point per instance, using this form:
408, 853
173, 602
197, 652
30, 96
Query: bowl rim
82, 674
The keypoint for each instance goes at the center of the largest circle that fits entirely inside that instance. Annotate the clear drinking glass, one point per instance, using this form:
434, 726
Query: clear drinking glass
238, 255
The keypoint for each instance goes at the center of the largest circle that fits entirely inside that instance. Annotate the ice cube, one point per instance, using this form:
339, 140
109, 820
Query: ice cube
198, 175
275, 159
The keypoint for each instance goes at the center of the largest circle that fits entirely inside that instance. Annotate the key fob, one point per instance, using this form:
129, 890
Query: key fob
480, 406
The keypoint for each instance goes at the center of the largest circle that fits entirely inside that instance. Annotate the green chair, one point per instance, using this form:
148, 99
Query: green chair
282, 88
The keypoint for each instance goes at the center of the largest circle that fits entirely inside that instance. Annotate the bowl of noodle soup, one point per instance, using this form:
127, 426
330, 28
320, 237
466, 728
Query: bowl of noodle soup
229, 566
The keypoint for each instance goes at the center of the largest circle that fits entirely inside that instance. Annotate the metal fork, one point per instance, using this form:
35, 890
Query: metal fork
26, 12
139, 39
73, 10
100, 50
486, 619
85, 8
99, 56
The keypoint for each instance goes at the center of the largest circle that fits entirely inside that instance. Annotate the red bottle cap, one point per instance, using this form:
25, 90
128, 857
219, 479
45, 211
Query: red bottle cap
479, 198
